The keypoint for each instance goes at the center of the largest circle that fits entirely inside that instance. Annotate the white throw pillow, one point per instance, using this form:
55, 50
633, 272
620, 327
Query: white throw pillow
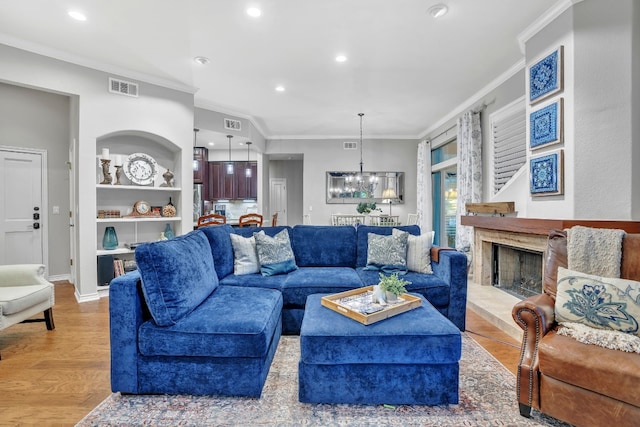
245, 255
418, 251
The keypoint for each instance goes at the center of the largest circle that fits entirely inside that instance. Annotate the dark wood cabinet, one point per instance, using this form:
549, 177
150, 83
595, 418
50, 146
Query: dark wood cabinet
247, 186
200, 165
236, 186
221, 184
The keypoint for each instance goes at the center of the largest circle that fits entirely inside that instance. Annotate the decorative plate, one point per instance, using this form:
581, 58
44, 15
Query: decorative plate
140, 168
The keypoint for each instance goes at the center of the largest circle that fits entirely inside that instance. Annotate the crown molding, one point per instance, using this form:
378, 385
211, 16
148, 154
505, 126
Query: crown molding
475, 99
95, 65
544, 20
345, 137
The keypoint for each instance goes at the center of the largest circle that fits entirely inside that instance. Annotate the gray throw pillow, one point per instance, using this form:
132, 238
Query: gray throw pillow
387, 252
275, 254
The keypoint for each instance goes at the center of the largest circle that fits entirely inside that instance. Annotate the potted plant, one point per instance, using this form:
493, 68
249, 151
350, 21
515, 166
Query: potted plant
367, 207
393, 286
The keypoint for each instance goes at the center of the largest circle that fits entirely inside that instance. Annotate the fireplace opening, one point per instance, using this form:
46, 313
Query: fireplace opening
516, 271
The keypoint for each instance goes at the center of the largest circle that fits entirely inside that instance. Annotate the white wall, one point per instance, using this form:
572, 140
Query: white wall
321, 156
164, 112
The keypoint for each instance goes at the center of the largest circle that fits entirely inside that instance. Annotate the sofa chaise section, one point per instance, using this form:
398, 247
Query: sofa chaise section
174, 329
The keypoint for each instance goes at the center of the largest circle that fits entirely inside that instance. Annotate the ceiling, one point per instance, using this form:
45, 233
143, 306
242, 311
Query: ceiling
405, 70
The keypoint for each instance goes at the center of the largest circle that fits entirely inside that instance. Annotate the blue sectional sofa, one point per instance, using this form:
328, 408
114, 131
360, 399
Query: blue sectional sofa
185, 323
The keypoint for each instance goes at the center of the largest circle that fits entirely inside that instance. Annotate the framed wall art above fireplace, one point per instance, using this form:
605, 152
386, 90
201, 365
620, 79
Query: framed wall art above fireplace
546, 174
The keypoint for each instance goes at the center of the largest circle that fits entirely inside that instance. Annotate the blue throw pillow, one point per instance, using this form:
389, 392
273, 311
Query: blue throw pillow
274, 253
177, 275
387, 253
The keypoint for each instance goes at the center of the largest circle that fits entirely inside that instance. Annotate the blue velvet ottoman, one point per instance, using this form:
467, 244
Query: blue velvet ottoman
411, 358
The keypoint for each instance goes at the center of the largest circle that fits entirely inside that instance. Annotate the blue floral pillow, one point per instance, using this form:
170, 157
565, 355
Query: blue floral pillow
599, 302
274, 253
387, 253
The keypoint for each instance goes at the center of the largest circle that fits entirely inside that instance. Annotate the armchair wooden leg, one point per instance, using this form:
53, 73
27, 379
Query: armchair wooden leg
48, 318
525, 410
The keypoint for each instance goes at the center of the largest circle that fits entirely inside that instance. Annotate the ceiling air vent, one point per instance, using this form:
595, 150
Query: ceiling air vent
122, 87
350, 145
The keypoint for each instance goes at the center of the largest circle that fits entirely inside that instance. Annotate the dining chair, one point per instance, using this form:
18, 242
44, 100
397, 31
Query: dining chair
250, 220
211, 219
274, 219
412, 219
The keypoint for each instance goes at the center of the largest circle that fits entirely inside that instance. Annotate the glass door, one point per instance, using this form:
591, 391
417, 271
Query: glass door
445, 197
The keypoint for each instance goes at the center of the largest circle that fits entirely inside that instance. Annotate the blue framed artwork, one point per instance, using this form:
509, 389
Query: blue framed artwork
546, 174
546, 76
545, 125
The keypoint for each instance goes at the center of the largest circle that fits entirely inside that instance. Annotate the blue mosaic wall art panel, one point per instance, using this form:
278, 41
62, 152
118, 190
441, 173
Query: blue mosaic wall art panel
545, 125
545, 76
546, 174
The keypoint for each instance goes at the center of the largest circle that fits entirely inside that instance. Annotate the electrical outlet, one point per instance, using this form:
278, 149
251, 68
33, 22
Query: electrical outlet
56, 210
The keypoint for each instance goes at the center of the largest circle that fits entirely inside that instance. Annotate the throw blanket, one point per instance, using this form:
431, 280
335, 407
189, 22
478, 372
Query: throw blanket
596, 251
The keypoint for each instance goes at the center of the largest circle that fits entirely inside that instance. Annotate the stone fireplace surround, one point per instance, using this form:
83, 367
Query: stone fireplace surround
490, 302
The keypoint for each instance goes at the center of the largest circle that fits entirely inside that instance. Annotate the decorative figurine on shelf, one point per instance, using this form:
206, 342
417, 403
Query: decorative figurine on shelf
168, 232
162, 236
118, 166
105, 161
168, 178
169, 210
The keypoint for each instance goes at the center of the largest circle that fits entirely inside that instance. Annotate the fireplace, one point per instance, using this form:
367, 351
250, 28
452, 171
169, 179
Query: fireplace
516, 271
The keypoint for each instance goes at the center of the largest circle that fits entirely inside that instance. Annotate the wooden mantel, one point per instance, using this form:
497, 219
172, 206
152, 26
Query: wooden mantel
524, 233
542, 226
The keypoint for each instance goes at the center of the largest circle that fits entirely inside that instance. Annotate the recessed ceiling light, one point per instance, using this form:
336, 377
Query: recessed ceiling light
280, 88
254, 12
78, 16
202, 60
438, 10
341, 58
212, 143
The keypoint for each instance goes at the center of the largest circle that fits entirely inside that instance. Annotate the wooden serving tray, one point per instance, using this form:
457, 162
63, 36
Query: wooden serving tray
347, 304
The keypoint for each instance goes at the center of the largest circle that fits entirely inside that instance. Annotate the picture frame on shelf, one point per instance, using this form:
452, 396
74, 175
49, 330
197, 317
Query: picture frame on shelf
546, 174
546, 76
546, 125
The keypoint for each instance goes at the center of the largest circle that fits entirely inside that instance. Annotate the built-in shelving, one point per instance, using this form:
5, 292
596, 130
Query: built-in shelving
121, 198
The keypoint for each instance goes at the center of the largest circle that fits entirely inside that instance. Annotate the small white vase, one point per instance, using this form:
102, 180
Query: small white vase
378, 295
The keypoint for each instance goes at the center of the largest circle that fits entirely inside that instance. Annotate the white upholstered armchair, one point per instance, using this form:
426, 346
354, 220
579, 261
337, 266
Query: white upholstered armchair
24, 292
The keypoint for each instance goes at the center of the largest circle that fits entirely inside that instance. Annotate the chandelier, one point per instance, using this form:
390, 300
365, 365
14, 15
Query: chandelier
364, 187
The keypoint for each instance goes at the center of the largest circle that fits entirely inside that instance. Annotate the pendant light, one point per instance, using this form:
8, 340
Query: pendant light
361, 164
230, 164
247, 171
196, 163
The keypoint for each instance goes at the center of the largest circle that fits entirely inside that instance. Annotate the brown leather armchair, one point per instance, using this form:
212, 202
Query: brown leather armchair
582, 384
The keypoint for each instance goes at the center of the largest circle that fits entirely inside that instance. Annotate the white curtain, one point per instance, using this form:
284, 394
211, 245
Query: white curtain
469, 174
425, 193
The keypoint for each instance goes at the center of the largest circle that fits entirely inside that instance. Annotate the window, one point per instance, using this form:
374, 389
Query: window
444, 160
508, 142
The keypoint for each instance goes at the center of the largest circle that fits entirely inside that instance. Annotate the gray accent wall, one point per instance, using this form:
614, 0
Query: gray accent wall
37, 119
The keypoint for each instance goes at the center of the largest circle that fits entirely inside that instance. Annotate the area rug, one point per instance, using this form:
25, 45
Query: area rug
487, 398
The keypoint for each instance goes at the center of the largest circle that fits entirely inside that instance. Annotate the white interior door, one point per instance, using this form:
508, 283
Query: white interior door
278, 199
21, 207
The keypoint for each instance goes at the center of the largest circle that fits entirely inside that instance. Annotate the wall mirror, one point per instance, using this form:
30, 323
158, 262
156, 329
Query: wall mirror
353, 187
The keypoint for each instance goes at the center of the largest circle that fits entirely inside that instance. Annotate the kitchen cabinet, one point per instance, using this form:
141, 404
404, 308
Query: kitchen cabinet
222, 186
247, 186
236, 186
200, 165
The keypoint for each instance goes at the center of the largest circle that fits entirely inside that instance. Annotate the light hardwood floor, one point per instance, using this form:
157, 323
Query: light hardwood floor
55, 378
